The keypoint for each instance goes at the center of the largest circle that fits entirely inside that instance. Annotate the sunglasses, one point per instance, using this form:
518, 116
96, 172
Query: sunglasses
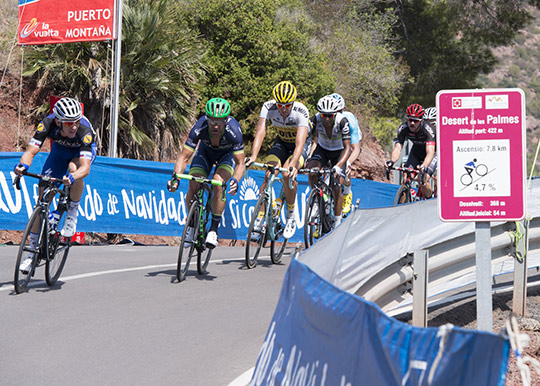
283, 105
328, 115
216, 121
70, 124
413, 120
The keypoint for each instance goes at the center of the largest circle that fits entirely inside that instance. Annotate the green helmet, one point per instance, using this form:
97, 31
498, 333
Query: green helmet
218, 108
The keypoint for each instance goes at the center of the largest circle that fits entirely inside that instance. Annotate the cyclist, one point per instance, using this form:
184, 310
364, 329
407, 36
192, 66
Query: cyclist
72, 152
430, 116
422, 155
290, 148
356, 149
333, 145
219, 137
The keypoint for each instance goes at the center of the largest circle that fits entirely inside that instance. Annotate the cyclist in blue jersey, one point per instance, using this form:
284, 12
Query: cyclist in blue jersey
356, 149
219, 140
72, 152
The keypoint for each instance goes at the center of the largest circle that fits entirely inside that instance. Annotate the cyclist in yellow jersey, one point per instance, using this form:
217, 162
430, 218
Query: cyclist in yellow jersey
291, 147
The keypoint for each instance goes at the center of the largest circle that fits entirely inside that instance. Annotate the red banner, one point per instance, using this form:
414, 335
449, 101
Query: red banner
66, 21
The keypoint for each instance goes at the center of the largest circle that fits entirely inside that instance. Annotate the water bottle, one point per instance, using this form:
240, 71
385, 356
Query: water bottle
276, 206
326, 198
54, 218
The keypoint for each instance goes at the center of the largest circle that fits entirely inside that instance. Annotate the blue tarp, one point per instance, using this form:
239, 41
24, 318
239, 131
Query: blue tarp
322, 335
130, 196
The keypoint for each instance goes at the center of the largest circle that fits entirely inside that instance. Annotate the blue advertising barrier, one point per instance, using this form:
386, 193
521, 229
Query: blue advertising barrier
130, 197
322, 335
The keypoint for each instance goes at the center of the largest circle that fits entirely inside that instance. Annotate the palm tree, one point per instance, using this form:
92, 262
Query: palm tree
160, 70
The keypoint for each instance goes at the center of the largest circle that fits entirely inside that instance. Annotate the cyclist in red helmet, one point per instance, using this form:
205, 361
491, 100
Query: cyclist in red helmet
422, 154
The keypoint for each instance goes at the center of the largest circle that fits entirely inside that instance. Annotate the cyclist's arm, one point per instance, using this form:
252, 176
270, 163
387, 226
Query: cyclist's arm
301, 136
356, 149
259, 138
344, 154
430, 153
29, 155
240, 165
396, 152
183, 159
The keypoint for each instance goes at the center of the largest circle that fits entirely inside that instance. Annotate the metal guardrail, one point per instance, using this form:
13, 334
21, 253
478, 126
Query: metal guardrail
391, 287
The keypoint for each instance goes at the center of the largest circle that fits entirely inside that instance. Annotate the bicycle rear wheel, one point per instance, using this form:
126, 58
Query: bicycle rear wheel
21, 279
255, 239
58, 252
403, 195
313, 218
187, 249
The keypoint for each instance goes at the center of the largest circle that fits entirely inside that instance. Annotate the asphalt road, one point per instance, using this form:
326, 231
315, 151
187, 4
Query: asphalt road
118, 317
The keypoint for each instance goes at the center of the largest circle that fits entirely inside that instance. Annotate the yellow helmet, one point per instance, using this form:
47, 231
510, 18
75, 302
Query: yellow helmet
284, 92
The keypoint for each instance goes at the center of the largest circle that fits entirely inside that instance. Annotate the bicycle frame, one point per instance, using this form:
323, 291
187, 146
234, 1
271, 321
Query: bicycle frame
271, 232
324, 188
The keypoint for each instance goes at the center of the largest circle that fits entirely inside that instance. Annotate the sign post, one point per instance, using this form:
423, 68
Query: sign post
481, 152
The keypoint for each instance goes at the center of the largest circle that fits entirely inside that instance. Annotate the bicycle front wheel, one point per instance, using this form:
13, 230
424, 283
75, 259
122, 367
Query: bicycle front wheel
58, 252
313, 218
203, 257
21, 279
187, 247
256, 237
403, 195
276, 253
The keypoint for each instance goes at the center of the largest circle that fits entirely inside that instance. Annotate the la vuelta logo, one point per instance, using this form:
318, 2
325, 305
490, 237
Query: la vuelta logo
242, 209
29, 28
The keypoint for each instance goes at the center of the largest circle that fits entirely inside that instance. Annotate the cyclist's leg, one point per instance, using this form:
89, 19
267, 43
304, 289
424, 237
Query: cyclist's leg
316, 161
224, 171
427, 190
333, 158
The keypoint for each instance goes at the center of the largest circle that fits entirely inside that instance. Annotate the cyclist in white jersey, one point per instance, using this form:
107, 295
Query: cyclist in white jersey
333, 146
290, 148
356, 149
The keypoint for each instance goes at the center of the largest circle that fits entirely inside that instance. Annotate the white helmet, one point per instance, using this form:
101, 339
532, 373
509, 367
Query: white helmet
328, 105
67, 110
340, 100
430, 114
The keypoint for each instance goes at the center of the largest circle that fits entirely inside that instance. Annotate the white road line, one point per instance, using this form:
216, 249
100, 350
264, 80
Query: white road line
243, 379
9, 287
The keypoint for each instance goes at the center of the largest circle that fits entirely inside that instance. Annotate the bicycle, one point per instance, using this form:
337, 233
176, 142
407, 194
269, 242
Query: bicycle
198, 216
407, 192
271, 227
52, 248
319, 215
480, 170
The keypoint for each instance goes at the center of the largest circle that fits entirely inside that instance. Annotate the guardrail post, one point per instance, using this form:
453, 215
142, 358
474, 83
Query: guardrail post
519, 302
420, 280
484, 300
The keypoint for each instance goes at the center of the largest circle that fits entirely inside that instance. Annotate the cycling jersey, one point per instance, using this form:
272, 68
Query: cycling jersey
356, 133
207, 155
286, 128
84, 140
230, 140
340, 132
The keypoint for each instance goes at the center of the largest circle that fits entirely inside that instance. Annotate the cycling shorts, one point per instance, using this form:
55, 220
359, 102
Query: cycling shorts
205, 158
413, 161
281, 151
326, 156
56, 164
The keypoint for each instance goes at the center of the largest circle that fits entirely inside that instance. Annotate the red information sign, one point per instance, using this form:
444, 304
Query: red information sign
481, 152
66, 21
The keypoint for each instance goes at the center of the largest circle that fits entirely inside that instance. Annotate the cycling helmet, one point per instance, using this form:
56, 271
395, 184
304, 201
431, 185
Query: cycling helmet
415, 111
430, 114
328, 105
339, 98
218, 108
284, 92
67, 110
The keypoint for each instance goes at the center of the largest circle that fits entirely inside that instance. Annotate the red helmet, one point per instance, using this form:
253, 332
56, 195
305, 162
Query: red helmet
415, 111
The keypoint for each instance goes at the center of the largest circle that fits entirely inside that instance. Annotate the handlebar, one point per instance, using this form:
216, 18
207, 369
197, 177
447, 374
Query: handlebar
45, 178
209, 181
408, 170
269, 167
